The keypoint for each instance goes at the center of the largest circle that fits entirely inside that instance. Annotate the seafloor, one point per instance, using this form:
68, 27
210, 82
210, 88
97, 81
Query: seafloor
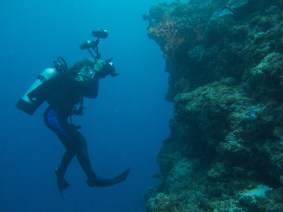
225, 149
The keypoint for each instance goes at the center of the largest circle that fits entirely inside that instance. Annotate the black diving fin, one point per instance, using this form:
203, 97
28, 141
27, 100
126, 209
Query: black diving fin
96, 181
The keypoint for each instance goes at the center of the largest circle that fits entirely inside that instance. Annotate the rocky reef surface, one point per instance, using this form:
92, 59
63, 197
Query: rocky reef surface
225, 149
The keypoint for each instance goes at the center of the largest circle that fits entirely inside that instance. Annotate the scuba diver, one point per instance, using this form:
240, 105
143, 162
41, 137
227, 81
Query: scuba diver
63, 89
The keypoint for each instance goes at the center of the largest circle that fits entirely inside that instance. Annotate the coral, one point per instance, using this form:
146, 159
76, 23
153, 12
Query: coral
216, 171
253, 198
237, 4
179, 176
163, 203
265, 80
252, 194
225, 64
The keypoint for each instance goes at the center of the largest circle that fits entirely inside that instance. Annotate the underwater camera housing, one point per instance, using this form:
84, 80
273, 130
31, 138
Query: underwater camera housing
101, 33
93, 44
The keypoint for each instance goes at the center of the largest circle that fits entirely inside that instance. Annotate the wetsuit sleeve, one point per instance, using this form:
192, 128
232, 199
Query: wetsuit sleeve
91, 90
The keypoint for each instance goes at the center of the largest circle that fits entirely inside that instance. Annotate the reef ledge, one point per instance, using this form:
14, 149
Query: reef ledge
225, 64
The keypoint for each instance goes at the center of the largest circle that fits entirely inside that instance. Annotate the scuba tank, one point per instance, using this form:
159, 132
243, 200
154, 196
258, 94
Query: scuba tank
30, 104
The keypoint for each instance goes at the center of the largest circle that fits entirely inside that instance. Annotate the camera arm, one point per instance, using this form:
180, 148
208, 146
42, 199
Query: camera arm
98, 55
92, 45
102, 33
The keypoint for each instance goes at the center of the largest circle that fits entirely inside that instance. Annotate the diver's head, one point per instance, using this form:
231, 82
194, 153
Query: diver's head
106, 69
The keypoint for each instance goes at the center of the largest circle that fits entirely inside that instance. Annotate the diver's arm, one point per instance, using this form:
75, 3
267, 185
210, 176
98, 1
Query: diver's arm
91, 90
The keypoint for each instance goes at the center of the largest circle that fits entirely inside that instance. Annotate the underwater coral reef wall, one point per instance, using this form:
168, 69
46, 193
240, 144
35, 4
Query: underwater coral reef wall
225, 64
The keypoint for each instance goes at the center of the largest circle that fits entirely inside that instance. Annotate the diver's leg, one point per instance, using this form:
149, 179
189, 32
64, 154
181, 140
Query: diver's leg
82, 155
84, 161
78, 144
59, 125
67, 156
65, 162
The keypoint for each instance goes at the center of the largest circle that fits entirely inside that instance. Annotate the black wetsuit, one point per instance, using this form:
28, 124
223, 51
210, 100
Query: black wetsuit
63, 93
73, 141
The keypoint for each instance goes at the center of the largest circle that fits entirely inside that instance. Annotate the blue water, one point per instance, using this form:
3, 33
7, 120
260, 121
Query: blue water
124, 126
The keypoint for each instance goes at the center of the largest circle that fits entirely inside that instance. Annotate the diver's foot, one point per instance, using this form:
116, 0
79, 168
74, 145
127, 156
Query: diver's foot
62, 184
101, 182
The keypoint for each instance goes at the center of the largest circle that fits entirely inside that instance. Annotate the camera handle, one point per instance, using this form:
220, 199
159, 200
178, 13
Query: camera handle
97, 55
